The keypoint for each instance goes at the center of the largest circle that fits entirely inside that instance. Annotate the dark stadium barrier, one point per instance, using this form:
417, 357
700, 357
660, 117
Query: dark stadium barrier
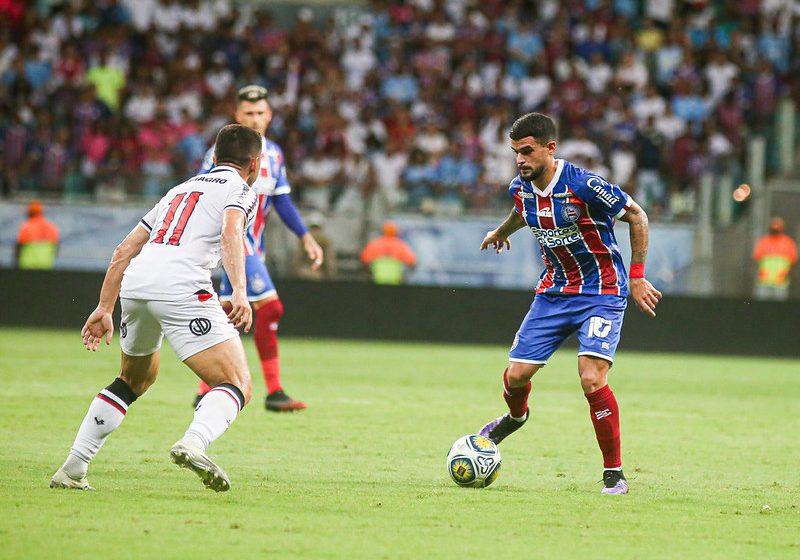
363, 311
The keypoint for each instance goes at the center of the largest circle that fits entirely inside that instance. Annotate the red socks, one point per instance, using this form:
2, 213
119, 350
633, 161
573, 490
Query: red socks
605, 417
266, 339
265, 336
516, 397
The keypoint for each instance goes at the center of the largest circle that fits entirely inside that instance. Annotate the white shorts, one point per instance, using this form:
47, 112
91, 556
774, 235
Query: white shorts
190, 326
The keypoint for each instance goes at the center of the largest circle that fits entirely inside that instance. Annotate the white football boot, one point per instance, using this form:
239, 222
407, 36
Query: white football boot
62, 480
193, 458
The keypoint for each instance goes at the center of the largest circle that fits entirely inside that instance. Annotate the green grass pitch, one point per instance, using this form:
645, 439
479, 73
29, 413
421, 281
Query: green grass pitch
707, 442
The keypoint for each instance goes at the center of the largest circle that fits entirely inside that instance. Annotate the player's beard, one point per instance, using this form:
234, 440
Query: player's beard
531, 173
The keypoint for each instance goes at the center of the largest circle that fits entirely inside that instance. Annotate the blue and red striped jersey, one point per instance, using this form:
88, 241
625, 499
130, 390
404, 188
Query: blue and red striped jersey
573, 221
271, 182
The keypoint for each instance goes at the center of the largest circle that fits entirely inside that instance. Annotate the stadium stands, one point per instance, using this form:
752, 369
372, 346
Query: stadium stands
114, 99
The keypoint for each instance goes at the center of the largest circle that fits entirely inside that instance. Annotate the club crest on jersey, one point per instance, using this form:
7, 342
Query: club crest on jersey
570, 213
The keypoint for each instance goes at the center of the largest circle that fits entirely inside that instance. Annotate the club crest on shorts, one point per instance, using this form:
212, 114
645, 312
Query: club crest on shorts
570, 213
200, 326
123, 330
257, 283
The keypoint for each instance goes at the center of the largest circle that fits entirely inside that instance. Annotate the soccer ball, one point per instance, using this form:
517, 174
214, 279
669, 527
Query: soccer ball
474, 461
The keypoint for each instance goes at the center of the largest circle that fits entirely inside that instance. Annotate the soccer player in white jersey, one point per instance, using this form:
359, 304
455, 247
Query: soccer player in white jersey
162, 273
273, 189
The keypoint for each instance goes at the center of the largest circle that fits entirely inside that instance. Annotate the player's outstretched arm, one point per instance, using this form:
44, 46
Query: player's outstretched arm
644, 295
99, 324
241, 314
498, 238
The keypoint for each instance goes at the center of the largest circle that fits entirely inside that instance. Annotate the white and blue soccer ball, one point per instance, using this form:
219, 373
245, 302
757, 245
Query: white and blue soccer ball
474, 461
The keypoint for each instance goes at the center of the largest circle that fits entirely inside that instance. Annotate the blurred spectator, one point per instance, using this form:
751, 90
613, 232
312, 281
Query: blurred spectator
765, 94
107, 79
720, 73
651, 104
389, 165
631, 73
37, 240
142, 104
578, 147
396, 77
650, 188
302, 265
388, 256
322, 177
454, 175
775, 254
218, 79
358, 185
430, 139
419, 179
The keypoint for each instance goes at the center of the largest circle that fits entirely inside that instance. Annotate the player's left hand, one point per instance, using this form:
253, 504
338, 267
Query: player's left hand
644, 295
496, 241
241, 314
98, 325
313, 250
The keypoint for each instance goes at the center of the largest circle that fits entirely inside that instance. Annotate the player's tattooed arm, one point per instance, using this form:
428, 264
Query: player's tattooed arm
498, 238
637, 220
644, 295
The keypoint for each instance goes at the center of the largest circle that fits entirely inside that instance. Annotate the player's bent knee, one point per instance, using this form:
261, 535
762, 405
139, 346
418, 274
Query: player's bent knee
593, 379
138, 386
271, 309
223, 363
139, 372
244, 384
519, 373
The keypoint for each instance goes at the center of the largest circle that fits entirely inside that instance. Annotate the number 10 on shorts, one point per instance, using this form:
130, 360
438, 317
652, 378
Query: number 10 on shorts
599, 327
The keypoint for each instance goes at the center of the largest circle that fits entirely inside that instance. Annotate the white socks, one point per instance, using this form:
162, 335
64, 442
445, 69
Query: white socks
213, 415
105, 414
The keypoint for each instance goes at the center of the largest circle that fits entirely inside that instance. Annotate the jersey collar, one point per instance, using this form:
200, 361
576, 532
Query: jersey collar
224, 168
549, 188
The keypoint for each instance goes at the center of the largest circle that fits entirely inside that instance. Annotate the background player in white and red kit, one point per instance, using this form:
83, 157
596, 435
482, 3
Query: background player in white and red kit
162, 273
272, 186
583, 288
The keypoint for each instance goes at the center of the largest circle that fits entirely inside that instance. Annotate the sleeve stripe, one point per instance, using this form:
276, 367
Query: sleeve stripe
237, 207
625, 208
147, 226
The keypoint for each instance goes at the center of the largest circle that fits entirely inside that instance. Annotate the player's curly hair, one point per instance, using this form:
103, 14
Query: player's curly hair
237, 144
539, 126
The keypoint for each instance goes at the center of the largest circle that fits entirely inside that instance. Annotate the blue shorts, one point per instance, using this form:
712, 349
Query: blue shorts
259, 284
552, 318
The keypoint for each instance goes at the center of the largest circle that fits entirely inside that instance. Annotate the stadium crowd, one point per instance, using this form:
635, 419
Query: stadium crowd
405, 105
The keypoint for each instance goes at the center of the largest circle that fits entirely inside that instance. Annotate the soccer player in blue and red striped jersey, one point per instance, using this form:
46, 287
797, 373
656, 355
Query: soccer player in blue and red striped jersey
253, 110
583, 288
